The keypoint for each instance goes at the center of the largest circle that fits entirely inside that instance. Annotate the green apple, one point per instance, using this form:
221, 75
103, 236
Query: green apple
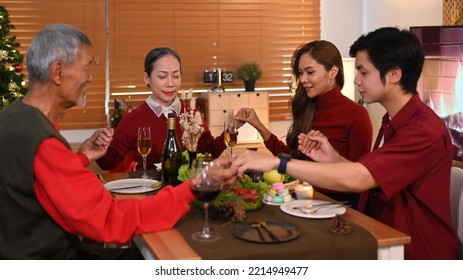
273, 176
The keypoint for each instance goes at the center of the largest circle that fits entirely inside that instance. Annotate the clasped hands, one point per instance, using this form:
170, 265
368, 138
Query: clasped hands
316, 146
313, 144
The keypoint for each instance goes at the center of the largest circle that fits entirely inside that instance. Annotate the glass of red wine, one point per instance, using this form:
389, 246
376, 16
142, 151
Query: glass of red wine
206, 186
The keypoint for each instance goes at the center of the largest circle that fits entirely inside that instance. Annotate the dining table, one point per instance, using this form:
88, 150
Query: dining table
313, 238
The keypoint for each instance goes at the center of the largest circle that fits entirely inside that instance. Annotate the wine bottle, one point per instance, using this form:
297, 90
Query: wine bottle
116, 116
171, 158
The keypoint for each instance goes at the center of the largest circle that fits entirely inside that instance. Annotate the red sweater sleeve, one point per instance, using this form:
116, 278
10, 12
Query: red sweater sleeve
276, 146
75, 198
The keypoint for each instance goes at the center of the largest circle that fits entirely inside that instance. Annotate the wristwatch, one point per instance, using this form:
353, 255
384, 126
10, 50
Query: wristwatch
284, 158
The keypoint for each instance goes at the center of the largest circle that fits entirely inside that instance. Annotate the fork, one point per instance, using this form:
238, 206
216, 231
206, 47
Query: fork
269, 231
313, 211
328, 203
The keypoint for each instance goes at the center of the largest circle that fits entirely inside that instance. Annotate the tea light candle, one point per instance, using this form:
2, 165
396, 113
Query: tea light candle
304, 192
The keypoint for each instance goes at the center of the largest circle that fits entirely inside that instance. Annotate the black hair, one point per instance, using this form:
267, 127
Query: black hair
390, 48
157, 53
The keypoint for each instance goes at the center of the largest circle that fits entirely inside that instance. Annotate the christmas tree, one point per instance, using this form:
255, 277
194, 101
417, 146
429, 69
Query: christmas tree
12, 84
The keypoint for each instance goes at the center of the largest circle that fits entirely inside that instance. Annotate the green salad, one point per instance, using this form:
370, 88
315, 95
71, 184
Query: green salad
248, 193
184, 170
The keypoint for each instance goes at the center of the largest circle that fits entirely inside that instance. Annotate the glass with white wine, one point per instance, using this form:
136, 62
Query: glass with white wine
230, 134
144, 146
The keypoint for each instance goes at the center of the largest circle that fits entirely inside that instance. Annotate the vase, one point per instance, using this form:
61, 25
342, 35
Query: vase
191, 157
249, 85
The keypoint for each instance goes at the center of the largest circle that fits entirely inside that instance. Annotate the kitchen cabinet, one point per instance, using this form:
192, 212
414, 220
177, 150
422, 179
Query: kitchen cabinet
225, 104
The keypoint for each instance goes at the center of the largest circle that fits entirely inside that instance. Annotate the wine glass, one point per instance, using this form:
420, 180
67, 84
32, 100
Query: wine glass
144, 146
230, 134
206, 186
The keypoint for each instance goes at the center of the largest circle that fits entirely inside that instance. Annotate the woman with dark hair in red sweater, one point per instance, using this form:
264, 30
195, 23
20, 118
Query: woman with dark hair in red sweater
319, 107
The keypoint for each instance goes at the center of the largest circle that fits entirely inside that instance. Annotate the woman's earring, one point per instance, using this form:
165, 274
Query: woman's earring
148, 85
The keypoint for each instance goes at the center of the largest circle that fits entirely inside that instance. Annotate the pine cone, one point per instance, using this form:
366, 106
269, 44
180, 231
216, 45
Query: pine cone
232, 211
340, 226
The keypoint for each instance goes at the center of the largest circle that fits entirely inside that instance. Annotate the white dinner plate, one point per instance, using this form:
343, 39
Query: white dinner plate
328, 211
145, 185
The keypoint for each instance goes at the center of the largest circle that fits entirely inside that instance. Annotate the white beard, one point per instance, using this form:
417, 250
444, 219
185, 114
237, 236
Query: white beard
82, 100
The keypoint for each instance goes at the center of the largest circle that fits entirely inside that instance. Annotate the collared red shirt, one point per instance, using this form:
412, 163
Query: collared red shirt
412, 169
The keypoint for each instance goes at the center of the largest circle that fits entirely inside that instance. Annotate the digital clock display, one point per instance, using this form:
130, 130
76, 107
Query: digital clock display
227, 77
210, 77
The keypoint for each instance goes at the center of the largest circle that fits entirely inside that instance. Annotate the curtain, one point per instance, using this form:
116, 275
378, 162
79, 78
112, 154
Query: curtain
207, 34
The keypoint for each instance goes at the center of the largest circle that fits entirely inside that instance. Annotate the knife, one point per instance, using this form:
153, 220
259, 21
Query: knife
269, 231
126, 188
153, 186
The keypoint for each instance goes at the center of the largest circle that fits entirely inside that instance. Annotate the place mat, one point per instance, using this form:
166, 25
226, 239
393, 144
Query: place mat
280, 232
315, 242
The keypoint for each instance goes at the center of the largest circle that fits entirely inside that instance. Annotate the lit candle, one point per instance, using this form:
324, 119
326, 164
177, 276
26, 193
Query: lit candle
304, 192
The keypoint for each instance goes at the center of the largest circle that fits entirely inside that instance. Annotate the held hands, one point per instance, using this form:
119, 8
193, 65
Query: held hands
221, 170
316, 146
229, 170
307, 143
97, 145
251, 160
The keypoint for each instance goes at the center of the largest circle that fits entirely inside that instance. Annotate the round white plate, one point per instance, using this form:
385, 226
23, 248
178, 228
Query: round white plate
145, 185
328, 211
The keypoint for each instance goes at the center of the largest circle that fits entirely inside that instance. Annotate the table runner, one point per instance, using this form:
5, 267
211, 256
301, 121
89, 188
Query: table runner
316, 240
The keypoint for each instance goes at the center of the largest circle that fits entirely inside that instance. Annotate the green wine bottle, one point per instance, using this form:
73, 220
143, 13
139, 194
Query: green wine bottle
171, 158
116, 116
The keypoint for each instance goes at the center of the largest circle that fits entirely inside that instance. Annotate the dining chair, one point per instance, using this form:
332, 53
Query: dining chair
456, 202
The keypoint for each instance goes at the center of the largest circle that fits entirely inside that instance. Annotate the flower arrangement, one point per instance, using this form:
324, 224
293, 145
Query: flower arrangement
191, 122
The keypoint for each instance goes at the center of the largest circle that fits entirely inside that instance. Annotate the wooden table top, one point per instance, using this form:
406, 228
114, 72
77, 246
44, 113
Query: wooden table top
170, 244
